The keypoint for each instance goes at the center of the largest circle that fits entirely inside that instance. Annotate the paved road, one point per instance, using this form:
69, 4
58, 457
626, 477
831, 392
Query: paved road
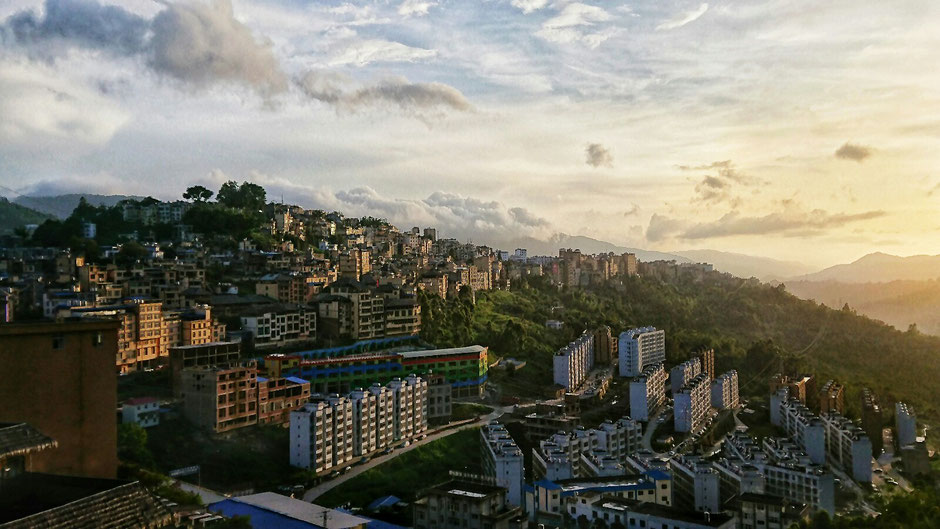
326, 486
651, 430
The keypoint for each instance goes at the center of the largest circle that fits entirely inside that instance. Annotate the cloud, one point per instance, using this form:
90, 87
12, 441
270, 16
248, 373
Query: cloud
598, 155
369, 51
528, 6
634, 210
526, 218
199, 44
719, 187
417, 99
787, 223
851, 151
202, 44
418, 8
574, 24
683, 19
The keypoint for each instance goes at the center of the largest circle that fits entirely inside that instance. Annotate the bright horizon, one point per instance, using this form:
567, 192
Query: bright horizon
772, 129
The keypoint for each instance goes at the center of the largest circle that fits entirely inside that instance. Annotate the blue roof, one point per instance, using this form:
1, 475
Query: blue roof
657, 474
384, 501
376, 524
548, 484
296, 380
260, 518
262, 379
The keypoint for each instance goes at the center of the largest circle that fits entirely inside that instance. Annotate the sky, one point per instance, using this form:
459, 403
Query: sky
797, 130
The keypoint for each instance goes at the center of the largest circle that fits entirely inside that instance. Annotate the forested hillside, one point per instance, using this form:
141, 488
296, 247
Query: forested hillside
755, 328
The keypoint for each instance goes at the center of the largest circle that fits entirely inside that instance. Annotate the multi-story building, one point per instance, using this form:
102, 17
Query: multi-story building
204, 355
465, 503
142, 337
363, 318
724, 391
693, 404
549, 502
286, 325
696, 484
278, 396
638, 348
410, 398
805, 428
144, 411
802, 388
779, 468
905, 424
681, 374
311, 437
872, 420
353, 263
385, 416
600, 451
647, 392
292, 288
402, 317
766, 511
831, 398
631, 513
707, 358
503, 461
440, 391
221, 398
365, 415
605, 347
572, 363
59, 378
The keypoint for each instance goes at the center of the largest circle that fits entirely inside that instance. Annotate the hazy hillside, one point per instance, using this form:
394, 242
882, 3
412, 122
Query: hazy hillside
13, 216
747, 265
897, 303
585, 244
878, 268
61, 206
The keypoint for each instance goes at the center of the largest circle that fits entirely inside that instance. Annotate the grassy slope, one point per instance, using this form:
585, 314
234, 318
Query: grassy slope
14, 216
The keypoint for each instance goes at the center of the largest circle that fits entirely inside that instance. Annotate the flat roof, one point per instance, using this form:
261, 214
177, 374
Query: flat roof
294, 509
470, 349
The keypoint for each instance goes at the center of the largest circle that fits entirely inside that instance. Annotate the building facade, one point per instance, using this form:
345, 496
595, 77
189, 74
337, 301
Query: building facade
638, 348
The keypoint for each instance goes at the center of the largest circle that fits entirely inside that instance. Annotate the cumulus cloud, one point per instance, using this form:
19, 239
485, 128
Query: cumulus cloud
417, 8
851, 151
422, 100
597, 156
528, 6
526, 217
787, 223
196, 43
577, 22
683, 19
203, 43
719, 186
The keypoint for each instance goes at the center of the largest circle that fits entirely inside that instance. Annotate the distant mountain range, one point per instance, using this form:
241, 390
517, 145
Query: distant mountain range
61, 206
587, 245
742, 265
879, 268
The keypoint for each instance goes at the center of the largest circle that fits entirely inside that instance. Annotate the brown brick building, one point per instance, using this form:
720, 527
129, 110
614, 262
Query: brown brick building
59, 377
221, 398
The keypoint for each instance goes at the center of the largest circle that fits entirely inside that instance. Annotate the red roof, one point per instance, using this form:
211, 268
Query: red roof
140, 400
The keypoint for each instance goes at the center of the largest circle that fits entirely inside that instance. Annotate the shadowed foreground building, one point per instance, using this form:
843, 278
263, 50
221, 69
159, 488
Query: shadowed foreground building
59, 377
466, 503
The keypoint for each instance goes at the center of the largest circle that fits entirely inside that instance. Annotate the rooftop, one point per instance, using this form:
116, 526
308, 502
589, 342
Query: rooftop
21, 438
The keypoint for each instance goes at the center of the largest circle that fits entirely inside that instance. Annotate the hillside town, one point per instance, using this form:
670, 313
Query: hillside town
314, 326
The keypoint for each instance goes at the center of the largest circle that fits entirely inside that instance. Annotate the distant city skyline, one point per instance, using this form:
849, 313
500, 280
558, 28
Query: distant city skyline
802, 133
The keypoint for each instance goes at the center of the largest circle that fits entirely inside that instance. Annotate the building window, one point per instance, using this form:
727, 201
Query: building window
58, 342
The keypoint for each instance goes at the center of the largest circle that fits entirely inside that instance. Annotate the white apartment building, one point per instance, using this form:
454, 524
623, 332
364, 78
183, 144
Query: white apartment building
573, 363
647, 392
311, 437
725, 391
503, 461
600, 451
410, 398
905, 424
365, 418
692, 404
778, 468
681, 374
144, 411
342, 428
632, 513
639, 348
801, 424
385, 417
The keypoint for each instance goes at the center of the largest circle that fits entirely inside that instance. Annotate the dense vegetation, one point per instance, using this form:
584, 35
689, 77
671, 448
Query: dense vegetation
917, 510
755, 328
14, 216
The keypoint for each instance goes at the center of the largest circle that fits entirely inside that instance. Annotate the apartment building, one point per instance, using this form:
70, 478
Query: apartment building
282, 326
385, 417
402, 317
872, 420
293, 288
311, 437
572, 363
410, 400
779, 468
465, 502
605, 347
681, 374
221, 398
647, 392
765, 511
365, 415
693, 405
831, 398
503, 461
707, 359
724, 391
600, 451
631, 513
641, 347
366, 311
802, 388
696, 484
203, 355
905, 424
354, 263
440, 392
278, 396
143, 338
144, 411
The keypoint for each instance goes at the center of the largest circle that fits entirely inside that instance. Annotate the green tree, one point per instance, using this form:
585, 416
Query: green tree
131, 252
197, 194
247, 196
132, 445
